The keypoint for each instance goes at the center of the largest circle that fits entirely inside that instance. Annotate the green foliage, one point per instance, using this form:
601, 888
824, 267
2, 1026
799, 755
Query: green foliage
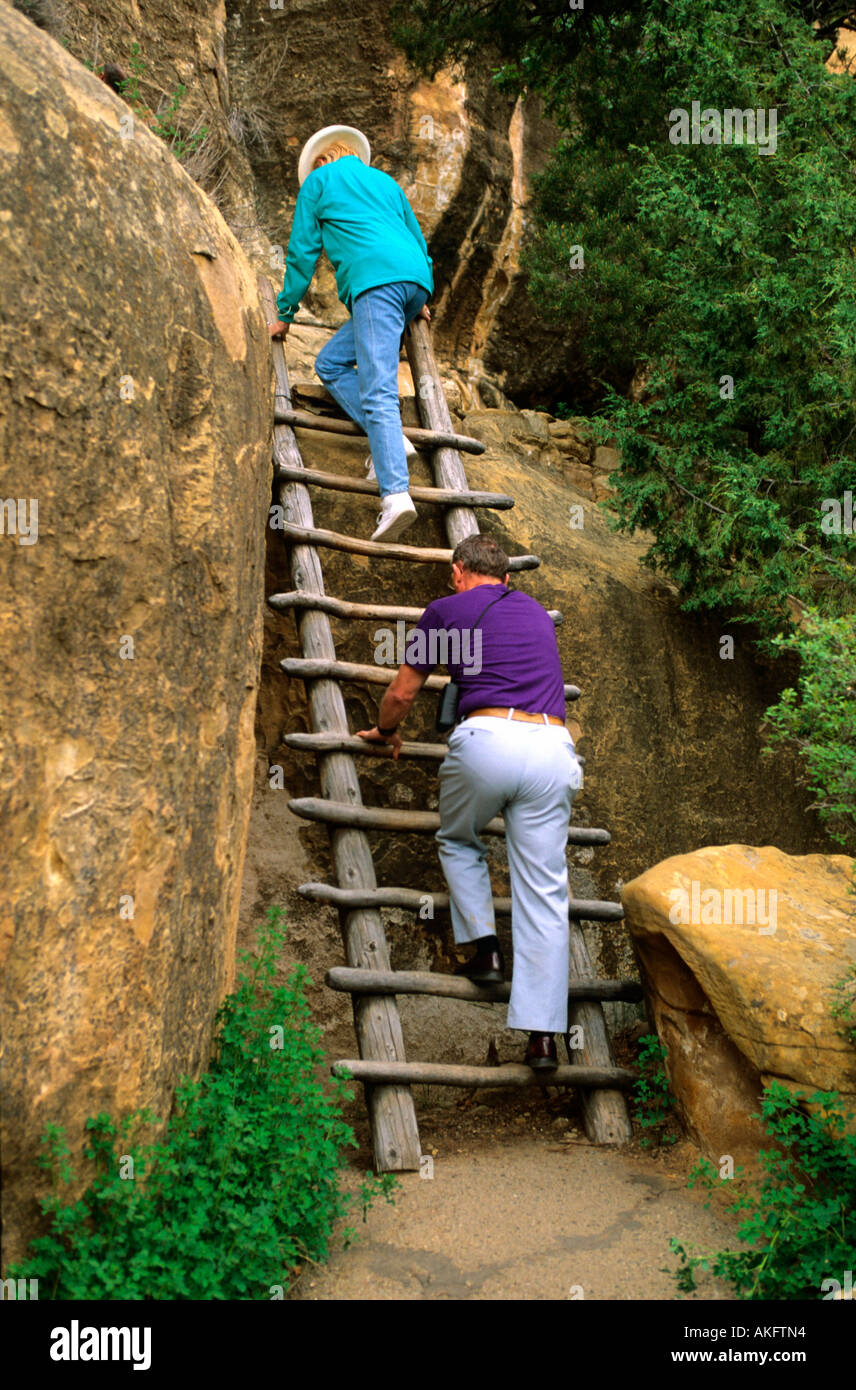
710, 262
844, 1007
701, 262
181, 145
242, 1188
819, 717
653, 1099
162, 123
800, 1222
704, 1174
130, 88
535, 42
715, 309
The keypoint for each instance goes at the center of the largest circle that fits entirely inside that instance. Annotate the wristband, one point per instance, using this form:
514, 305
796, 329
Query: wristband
387, 733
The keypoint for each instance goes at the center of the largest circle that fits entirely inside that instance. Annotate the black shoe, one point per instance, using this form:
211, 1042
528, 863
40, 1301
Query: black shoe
484, 968
541, 1052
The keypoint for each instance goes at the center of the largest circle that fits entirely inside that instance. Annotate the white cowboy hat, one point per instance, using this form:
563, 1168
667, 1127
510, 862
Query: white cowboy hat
317, 143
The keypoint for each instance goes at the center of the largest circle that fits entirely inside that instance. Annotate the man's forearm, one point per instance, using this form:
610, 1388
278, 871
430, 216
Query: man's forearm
393, 709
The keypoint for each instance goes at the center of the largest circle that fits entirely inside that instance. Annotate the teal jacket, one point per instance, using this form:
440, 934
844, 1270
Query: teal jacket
361, 218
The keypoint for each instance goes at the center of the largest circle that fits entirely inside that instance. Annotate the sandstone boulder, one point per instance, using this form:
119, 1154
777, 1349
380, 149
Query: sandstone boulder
740, 950
135, 402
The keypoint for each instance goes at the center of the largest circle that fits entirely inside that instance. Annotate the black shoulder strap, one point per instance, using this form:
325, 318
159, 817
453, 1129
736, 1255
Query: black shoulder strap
490, 605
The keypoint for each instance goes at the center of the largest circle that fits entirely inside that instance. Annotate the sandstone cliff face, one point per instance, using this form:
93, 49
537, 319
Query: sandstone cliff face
134, 428
260, 79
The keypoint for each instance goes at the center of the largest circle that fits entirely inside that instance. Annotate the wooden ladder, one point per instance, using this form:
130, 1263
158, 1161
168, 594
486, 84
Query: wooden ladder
368, 976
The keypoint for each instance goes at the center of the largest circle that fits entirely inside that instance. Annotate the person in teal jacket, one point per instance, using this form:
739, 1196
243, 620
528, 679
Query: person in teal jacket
363, 221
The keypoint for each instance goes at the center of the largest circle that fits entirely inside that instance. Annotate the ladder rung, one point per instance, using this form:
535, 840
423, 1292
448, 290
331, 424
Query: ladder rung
322, 743
440, 496
347, 743
424, 439
412, 822
342, 608
582, 909
318, 668
334, 540
510, 1074
348, 980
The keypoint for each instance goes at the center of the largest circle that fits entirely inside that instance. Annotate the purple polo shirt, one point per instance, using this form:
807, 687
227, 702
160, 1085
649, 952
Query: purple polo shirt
510, 659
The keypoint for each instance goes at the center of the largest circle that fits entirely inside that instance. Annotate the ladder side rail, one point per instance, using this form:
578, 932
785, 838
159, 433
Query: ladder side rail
607, 1119
395, 1133
434, 412
605, 1113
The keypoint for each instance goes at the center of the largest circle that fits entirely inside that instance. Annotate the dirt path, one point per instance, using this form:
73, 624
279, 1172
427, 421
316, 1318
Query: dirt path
528, 1211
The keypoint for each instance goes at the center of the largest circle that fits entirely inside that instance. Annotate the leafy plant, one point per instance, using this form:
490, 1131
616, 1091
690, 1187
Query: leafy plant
130, 88
819, 717
243, 1187
845, 1006
162, 122
720, 278
651, 1092
801, 1219
704, 1174
165, 127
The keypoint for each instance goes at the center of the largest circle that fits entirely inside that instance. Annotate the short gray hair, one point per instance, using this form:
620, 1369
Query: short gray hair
481, 555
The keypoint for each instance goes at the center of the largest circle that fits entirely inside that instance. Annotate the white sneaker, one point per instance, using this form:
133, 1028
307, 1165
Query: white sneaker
396, 514
409, 450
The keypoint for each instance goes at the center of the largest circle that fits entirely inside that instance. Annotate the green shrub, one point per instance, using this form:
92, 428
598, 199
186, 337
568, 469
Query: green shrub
844, 1007
243, 1186
163, 122
818, 718
651, 1093
801, 1218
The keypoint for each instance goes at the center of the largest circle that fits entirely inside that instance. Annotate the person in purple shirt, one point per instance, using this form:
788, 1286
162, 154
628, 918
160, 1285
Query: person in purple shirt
509, 754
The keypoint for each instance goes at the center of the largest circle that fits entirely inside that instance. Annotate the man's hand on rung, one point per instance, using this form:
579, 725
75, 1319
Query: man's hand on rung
374, 735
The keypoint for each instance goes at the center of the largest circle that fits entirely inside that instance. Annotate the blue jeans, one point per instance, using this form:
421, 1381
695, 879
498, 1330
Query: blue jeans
359, 367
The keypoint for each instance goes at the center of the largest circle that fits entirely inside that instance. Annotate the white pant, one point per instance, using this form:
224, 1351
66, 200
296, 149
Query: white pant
529, 774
